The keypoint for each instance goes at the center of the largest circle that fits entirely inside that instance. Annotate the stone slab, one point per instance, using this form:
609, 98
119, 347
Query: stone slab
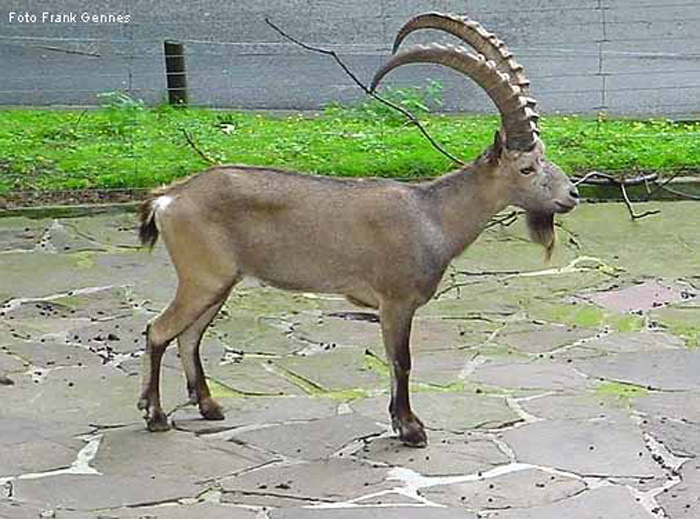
35, 456
451, 411
9, 363
33, 446
334, 332
111, 336
86, 397
20, 234
579, 406
254, 376
669, 370
242, 412
680, 406
599, 447
250, 333
314, 440
630, 342
641, 297
11, 509
133, 451
168, 511
611, 502
521, 489
338, 368
381, 512
52, 354
445, 455
299, 484
539, 375
114, 230
93, 492
683, 500
61, 239
440, 368
677, 435
542, 338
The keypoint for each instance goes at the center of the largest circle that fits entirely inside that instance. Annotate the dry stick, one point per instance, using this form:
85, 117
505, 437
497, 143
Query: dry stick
411, 118
196, 148
609, 179
631, 209
622, 183
687, 196
663, 186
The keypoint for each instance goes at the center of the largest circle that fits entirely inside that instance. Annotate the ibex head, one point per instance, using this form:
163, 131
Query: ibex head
517, 155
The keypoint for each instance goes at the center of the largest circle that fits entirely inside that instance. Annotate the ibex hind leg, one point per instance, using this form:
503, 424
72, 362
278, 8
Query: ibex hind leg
189, 343
192, 300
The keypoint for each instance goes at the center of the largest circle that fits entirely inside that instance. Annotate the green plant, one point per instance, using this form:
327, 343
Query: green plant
123, 111
418, 100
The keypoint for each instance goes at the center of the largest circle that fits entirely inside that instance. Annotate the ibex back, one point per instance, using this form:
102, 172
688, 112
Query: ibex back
381, 244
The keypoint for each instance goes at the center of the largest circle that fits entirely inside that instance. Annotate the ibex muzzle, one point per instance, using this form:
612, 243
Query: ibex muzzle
380, 243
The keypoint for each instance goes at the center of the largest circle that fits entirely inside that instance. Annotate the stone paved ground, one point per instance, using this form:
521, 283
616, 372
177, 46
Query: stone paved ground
562, 391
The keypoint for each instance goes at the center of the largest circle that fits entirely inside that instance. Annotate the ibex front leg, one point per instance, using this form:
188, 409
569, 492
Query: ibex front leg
396, 321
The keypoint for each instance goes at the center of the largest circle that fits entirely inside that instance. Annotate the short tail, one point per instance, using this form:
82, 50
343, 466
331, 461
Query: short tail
148, 232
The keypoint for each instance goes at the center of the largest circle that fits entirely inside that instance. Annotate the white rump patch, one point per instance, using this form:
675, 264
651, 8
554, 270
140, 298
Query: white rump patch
159, 206
162, 202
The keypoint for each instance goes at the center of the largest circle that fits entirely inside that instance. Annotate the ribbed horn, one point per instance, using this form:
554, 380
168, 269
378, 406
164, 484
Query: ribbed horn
518, 119
472, 33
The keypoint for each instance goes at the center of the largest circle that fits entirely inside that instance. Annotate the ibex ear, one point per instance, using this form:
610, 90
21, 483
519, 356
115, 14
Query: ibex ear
499, 145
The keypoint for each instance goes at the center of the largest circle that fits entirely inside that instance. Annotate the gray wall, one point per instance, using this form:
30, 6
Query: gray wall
583, 56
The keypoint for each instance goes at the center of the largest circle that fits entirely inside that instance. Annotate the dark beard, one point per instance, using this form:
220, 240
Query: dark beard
541, 227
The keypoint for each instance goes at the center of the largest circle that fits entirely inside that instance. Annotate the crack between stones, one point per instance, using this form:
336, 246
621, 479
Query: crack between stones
80, 466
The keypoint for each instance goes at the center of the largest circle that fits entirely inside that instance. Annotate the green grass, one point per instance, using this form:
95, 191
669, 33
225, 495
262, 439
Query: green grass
125, 144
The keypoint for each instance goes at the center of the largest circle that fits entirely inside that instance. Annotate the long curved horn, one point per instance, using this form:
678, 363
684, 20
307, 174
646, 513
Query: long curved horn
517, 117
472, 33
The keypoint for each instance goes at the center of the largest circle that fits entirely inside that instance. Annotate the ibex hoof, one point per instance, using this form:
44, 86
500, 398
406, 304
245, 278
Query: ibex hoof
411, 433
211, 410
156, 419
157, 423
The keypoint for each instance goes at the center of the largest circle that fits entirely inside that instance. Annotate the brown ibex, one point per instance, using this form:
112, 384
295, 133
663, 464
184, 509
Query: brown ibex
382, 244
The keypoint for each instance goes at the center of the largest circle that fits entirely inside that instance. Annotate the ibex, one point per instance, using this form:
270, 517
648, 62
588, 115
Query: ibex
382, 244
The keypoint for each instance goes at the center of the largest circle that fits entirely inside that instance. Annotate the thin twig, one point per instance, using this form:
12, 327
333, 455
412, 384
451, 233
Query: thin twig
679, 193
585, 178
623, 183
196, 148
412, 118
631, 209
663, 184
605, 178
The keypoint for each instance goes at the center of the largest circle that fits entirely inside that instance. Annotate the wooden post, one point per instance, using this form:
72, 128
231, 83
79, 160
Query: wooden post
176, 73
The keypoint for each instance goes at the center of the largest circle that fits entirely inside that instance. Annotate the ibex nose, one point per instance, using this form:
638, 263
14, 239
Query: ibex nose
574, 193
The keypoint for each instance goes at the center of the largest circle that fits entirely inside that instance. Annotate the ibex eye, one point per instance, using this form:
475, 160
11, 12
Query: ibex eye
527, 171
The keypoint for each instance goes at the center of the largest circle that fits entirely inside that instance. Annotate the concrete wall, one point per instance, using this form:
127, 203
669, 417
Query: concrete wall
633, 57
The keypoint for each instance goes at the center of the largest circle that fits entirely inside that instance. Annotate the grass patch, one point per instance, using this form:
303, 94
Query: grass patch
620, 390
125, 144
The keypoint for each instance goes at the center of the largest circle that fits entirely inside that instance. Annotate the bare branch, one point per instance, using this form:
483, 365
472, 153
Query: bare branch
196, 148
687, 196
605, 178
411, 118
631, 209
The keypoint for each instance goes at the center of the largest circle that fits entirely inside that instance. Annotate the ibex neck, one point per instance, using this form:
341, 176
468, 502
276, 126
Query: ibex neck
466, 200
